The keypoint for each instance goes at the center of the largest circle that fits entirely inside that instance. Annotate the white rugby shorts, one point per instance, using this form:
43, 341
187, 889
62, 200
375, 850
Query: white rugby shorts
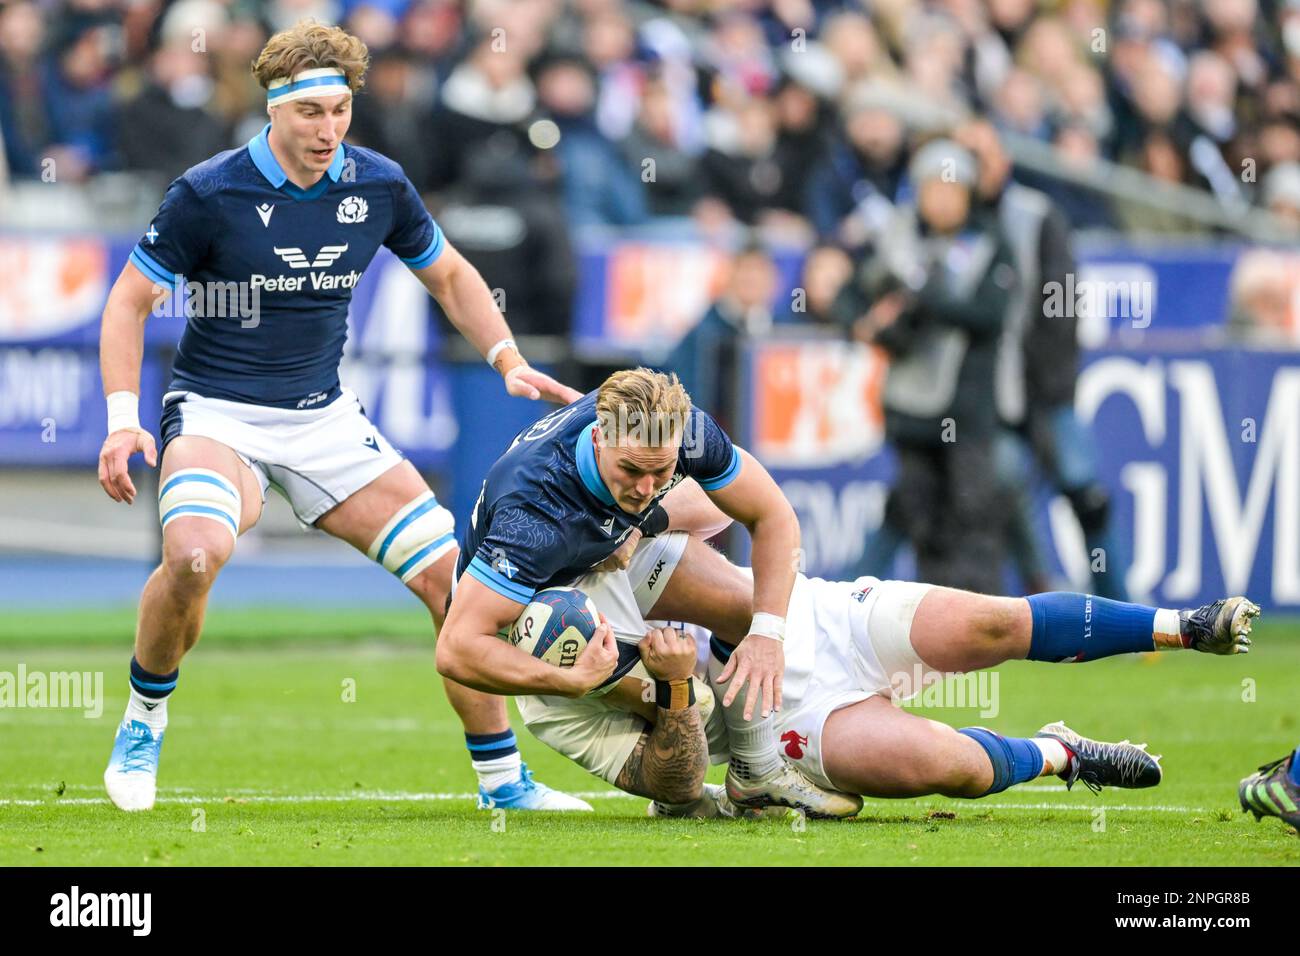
845, 642
315, 457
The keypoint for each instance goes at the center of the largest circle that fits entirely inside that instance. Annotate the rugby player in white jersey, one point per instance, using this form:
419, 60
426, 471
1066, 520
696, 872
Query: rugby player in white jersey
255, 401
853, 652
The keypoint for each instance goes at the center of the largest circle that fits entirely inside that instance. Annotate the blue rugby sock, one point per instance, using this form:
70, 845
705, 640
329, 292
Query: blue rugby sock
150, 685
491, 746
1295, 767
1078, 627
495, 758
1015, 759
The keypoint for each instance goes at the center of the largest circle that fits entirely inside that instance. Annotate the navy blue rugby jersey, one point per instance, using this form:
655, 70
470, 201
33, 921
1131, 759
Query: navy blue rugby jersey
545, 516
236, 218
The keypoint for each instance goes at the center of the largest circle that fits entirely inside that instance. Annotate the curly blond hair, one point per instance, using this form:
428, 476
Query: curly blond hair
309, 45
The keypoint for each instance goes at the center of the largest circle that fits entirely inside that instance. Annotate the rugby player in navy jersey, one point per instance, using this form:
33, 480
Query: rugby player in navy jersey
582, 486
287, 223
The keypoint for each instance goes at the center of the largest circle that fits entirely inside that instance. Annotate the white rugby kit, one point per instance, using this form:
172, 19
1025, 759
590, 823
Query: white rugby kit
845, 642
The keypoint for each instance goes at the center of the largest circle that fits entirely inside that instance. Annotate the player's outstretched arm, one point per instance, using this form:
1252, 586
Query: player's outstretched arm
754, 500
468, 302
470, 653
121, 351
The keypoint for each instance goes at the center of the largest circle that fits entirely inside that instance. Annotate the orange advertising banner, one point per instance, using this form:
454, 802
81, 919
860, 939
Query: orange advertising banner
816, 403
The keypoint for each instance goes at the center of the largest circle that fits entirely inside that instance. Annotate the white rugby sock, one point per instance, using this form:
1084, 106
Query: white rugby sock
150, 711
1056, 759
752, 742
497, 772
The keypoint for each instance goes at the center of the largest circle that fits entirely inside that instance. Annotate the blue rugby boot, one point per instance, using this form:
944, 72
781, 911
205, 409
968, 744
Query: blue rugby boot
527, 794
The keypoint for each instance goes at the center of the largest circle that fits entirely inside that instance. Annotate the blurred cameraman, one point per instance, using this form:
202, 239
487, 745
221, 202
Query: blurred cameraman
934, 297
1037, 370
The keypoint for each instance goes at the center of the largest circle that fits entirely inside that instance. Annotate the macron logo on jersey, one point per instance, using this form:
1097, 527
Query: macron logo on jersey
264, 212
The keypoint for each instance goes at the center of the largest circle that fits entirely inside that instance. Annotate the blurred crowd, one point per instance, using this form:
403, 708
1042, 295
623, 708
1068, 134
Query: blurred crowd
956, 291
788, 114
803, 122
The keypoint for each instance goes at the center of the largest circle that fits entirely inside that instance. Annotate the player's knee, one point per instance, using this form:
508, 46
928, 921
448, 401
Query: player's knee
998, 619
194, 551
737, 605
200, 512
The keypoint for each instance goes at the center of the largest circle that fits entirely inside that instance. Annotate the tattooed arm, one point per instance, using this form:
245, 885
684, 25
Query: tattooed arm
669, 761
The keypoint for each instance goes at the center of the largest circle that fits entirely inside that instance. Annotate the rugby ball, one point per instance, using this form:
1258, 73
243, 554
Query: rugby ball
556, 626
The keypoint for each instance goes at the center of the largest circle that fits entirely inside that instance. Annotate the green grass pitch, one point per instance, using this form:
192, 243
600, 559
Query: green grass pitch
265, 762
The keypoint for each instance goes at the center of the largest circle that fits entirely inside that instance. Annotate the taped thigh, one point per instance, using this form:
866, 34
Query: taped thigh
889, 629
200, 493
419, 534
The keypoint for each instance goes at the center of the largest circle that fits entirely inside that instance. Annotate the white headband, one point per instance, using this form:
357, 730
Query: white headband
324, 82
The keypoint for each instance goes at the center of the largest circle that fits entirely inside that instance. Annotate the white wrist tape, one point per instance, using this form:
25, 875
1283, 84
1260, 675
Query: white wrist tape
123, 411
495, 351
768, 625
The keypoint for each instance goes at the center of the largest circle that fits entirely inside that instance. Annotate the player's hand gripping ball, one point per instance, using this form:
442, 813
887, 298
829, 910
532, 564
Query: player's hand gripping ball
556, 626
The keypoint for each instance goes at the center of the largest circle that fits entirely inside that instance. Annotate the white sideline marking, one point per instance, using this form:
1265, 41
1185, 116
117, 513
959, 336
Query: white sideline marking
184, 796
358, 796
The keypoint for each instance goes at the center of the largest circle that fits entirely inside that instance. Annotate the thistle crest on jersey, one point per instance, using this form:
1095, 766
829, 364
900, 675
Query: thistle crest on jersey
353, 209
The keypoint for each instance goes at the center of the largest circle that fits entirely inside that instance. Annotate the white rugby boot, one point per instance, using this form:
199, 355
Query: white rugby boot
713, 804
787, 786
132, 774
